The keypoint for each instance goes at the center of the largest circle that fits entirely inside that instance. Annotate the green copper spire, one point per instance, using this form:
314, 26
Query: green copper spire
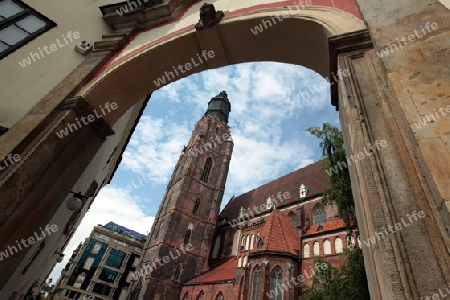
219, 107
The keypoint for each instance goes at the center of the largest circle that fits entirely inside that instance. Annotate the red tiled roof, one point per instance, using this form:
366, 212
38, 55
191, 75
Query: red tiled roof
279, 234
224, 271
328, 226
312, 176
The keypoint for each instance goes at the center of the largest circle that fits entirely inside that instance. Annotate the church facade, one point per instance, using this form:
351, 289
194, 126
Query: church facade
260, 246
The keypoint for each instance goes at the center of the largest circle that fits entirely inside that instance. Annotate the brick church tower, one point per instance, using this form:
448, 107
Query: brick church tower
179, 244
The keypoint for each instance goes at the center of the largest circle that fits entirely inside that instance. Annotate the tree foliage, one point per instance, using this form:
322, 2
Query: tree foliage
339, 192
347, 283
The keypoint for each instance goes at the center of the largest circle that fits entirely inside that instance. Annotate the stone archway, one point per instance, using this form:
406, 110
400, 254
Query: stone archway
388, 186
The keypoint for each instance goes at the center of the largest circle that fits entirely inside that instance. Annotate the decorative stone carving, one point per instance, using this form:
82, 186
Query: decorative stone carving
209, 17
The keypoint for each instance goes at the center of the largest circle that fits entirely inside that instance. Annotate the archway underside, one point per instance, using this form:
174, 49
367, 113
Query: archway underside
381, 184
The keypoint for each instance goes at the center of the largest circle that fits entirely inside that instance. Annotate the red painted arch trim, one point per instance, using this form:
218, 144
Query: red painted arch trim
347, 5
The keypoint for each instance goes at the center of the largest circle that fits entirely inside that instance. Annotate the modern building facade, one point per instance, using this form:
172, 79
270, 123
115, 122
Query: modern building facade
101, 267
396, 52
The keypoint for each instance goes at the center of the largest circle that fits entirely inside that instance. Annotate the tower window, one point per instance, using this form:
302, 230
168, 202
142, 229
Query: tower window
206, 170
196, 206
177, 273
20, 24
187, 237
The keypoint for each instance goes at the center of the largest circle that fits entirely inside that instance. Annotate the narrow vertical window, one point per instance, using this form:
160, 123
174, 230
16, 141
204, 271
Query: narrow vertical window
206, 170
177, 273
256, 280
187, 237
276, 281
196, 206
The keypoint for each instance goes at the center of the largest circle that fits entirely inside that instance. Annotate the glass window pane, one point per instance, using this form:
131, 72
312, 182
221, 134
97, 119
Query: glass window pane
3, 47
12, 34
9, 8
31, 23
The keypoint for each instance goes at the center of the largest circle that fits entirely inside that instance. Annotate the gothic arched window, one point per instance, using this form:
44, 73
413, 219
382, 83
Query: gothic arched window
201, 296
276, 280
220, 296
293, 219
186, 296
177, 273
206, 169
157, 230
320, 216
196, 206
256, 280
187, 237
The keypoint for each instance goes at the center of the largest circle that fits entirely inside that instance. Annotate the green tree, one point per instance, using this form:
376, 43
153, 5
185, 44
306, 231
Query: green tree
339, 191
347, 283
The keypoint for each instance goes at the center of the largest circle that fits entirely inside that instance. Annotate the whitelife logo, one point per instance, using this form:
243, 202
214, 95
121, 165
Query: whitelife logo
53, 47
31, 240
265, 24
411, 39
188, 66
86, 120
11, 159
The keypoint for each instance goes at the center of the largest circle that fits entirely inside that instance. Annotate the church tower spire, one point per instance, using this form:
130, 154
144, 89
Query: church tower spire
179, 244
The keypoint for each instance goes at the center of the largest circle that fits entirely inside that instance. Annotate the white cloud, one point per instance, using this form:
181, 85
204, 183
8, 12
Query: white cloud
111, 204
155, 148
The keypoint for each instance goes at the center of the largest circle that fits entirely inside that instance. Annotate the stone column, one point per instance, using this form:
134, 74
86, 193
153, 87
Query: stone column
411, 260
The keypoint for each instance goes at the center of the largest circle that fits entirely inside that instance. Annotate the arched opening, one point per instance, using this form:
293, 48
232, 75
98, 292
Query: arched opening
276, 281
137, 59
255, 282
187, 237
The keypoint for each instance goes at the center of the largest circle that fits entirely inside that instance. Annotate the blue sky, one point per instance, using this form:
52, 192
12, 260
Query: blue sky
268, 119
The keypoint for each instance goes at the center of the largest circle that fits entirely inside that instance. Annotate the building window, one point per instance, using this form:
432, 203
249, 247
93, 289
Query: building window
115, 258
19, 24
276, 280
187, 237
88, 263
186, 296
201, 296
244, 261
96, 248
303, 191
206, 170
80, 280
260, 243
326, 247
306, 251
157, 231
293, 219
320, 216
220, 296
101, 289
177, 273
256, 280
196, 206
316, 249
338, 248
108, 275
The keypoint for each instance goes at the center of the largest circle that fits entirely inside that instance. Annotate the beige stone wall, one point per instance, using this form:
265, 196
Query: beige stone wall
21, 88
97, 170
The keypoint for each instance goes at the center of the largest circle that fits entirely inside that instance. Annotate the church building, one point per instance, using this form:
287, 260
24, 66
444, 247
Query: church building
260, 246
